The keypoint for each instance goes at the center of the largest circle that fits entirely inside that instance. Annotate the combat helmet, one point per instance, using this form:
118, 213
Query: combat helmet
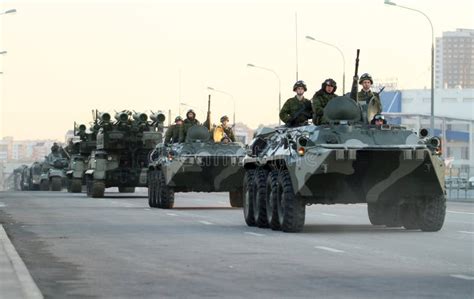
330, 82
299, 83
366, 76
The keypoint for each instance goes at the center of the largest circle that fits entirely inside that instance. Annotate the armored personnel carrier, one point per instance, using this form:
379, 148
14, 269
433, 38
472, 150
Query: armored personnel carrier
31, 177
197, 165
398, 173
121, 155
80, 149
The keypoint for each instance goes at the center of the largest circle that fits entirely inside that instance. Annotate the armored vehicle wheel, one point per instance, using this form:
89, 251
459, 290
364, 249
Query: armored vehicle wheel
89, 186
126, 189
291, 210
259, 200
75, 185
165, 193
151, 187
375, 214
249, 194
98, 189
392, 216
236, 199
68, 184
431, 213
409, 217
56, 184
270, 200
44, 185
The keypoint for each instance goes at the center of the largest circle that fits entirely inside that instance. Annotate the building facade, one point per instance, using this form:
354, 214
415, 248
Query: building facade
454, 59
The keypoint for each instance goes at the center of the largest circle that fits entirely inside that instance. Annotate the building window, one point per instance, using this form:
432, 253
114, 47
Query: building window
465, 153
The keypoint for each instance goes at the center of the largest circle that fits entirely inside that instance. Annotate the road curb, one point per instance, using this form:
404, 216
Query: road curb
28, 285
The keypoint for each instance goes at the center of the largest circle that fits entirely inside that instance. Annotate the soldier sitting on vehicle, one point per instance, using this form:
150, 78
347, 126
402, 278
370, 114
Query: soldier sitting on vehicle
190, 121
321, 98
175, 133
378, 120
223, 133
297, 110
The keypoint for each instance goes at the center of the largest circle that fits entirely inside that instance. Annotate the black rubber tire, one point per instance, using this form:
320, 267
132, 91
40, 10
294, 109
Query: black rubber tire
249, 193
392, 216
431, 213
44, 185
56, 184
291, 209
409, 216
270, 200
98, 189
75, 185
165, 193
126, 189
89, 182
375, 214
236, 199
151, 188
259, 201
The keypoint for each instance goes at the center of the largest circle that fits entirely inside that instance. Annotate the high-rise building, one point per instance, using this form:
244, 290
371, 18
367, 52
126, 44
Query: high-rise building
454, 64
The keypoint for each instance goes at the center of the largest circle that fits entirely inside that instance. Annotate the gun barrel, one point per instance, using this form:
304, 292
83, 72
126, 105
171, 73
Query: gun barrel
104, 116
121, 116
158, 117
82, 128
141, 117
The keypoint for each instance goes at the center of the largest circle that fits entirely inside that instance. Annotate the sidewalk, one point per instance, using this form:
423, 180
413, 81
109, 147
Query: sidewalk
15, 280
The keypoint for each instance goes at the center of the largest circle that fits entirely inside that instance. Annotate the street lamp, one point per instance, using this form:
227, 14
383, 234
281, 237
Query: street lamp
189, 106
279, 84
343, 60
8, 11
388, 2
226, 93
3, 52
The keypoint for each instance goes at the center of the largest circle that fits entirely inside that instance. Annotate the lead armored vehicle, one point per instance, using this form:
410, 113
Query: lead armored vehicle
398, 173
121, 155
196, 165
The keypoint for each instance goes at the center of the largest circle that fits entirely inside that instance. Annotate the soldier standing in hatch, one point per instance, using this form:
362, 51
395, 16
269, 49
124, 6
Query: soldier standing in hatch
190, 120
297, 110
321, 99
366, 94
223, 133
175, 133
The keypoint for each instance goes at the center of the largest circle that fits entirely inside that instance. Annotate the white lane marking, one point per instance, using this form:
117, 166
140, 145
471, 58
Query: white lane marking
222, 202
2, 205
254, 234
329, 214
456, 212
461, 276
171, 214
206, 222
147, 209
465, 232
329, 249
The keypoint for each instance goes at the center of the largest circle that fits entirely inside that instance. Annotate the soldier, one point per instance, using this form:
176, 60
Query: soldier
223, 133
378, 120
365, 95
175, 133
190, 120
297, 110
321, 98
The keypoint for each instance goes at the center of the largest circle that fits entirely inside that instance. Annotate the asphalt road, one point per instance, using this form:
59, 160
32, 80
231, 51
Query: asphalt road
117, 247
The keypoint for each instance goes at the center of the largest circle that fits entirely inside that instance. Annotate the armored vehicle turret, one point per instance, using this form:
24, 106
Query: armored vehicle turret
397, 172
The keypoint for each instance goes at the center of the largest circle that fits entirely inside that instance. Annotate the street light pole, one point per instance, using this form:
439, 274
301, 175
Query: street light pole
8, 11
343, 60
227, 94
388, 2
279, 84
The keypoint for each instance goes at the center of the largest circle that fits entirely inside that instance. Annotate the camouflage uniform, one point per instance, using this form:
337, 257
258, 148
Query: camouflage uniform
174, 134
293, 105
189, 123
364, 97
319, 101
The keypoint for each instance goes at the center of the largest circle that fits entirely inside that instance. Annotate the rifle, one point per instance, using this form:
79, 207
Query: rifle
378, 93
208, 118
298, 113
355, 79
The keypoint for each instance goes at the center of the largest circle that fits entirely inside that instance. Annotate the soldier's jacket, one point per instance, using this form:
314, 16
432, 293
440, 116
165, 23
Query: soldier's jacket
174, 134
291, 107
220, 132
365, 97
319, 101
188, 124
